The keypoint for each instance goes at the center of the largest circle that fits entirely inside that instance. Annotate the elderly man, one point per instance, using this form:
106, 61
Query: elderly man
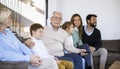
55, 39
10, 47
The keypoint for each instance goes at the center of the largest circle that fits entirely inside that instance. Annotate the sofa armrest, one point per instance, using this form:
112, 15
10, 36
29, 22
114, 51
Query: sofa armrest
13, 65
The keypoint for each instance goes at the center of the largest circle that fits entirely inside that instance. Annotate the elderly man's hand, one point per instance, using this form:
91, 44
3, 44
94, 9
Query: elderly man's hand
29, 43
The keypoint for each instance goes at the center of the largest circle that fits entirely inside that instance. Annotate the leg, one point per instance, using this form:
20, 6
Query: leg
49, 63
102, 52
61, 66
77, 60
32, 67
67, 64
53, 64
88, 56
83, 63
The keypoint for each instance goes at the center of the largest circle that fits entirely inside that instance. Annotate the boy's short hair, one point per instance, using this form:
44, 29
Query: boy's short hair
66, 25
35, 27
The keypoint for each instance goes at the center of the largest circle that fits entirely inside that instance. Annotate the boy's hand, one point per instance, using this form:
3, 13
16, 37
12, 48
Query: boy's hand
35, 60
57, 60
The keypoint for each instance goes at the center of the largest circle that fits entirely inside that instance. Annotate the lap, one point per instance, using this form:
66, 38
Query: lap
99, 52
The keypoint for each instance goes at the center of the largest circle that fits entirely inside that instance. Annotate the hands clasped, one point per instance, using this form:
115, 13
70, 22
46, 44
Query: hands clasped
83, 52
35, 60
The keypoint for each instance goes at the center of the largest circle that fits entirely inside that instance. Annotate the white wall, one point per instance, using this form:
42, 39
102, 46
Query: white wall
108, 12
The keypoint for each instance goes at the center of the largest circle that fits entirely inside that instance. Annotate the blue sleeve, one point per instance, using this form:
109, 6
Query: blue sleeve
8, 53
25, 49
12, 56
22, 46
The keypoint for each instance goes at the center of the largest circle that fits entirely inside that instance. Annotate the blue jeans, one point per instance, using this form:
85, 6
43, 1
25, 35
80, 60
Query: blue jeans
88, 56
75, 58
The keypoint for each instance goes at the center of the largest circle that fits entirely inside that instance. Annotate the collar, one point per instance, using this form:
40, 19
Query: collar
53, 27
6, 30
76, 28
87, 32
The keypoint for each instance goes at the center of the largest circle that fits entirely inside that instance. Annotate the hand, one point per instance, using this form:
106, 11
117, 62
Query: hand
57, 60
29, 43
35, 60
82, 50
92, 49
83, 54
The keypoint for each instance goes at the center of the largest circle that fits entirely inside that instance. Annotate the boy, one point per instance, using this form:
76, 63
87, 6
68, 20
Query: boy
48, 61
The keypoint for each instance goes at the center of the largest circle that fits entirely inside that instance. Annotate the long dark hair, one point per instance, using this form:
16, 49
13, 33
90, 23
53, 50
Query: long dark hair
80, 27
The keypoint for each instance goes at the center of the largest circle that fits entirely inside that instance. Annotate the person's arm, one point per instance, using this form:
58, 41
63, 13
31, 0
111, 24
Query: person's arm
69, 47
98, 42
24, 49
12, 56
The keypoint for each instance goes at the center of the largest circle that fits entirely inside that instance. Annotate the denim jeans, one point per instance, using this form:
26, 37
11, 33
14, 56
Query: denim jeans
75, 58
88, 56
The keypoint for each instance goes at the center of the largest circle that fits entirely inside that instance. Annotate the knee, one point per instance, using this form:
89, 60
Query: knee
104, 51
67, 64
61, 66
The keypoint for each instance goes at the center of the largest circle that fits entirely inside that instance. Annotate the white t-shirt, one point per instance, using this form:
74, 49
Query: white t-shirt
39, 49
69, 44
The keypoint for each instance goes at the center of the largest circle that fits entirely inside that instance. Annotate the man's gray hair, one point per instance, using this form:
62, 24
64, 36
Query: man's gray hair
4, 14
56, 12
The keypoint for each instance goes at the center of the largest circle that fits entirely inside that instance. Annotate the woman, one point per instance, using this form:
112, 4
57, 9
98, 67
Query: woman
77, 35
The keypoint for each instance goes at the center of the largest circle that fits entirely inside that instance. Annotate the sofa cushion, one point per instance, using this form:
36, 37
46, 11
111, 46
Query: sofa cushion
111, 45
13, 65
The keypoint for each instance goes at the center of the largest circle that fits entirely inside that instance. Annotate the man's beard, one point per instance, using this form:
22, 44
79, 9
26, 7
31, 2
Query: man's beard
93, 25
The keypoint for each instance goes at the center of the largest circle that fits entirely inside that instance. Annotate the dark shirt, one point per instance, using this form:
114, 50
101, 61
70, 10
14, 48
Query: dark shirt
92, 40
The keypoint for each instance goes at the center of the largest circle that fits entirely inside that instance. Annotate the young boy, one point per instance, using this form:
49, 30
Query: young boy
48, 61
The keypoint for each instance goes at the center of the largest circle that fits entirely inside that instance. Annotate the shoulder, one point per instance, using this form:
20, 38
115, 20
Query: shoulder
83, 28
96, 29
62, 30
46, 27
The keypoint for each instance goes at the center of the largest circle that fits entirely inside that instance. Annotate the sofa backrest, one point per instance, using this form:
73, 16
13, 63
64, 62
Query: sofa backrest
111, 45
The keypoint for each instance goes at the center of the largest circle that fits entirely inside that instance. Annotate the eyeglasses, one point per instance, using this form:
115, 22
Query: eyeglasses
57, 18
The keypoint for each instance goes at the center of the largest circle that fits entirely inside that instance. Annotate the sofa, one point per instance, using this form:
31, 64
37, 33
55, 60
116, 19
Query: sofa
13, 65
113, 48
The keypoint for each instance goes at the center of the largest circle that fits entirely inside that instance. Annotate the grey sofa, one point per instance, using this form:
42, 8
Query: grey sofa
13, 65
113, 48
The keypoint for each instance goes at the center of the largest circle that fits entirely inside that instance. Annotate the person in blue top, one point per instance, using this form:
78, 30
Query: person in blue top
11, 49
